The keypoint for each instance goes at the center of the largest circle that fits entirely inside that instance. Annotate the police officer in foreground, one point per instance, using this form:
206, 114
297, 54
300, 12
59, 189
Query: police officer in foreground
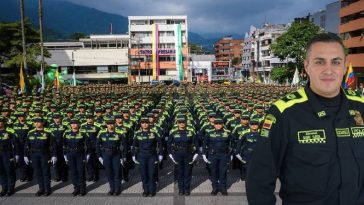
146, 154
76, 148
246, 143
218, 144
39, 150
312, 140
9, 154
181, 146
110, 148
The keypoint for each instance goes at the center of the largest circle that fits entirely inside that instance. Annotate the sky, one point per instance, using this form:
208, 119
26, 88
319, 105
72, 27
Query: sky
214, 16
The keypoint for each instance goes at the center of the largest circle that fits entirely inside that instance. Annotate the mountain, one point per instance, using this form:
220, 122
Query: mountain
62, 18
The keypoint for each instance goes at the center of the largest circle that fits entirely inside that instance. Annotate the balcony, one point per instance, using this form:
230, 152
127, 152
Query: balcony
352, 8
352, 26
354, 42
357, 60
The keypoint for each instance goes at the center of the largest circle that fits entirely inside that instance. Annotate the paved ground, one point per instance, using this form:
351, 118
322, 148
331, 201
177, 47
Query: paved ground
167, 191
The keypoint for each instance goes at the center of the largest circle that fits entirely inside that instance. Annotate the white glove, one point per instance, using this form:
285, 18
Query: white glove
205, 159
87, 157
101, 160
135, 161
122, 162
160, 158
16, 158
54, 160
65, 159
231, 158
26, 160
240, 158
171, 156
194, 158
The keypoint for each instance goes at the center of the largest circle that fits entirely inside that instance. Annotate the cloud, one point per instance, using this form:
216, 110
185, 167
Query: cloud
213, 16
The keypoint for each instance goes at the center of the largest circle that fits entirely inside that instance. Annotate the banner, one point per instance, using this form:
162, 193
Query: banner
178, 48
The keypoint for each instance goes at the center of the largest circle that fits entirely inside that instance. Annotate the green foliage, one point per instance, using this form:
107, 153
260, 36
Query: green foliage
197, 49
77, 35
236, 61
291, 44
281, 73
11, 45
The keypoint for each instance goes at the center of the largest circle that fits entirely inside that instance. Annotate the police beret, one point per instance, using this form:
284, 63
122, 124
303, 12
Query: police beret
110, 121
74, 121
144, 120
118, 115
57, 115
254, 122
38, 119
218, 121
181, 120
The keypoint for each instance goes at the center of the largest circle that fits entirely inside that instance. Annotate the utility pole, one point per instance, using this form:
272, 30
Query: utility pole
23, 42
40, 15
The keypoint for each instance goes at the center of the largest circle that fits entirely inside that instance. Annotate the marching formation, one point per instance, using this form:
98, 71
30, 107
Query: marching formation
73, 132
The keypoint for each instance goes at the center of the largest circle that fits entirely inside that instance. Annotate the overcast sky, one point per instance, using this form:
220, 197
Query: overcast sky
214, 16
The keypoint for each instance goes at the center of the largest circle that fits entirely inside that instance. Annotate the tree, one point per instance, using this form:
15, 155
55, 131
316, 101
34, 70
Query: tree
77, 35
11, 50
197, 49
291, 44
236, 61
280, 74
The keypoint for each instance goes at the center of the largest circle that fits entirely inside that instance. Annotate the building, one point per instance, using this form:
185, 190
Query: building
351, 30
227, 48
328, 19
158, 48
97, 59
201, 66
257, 55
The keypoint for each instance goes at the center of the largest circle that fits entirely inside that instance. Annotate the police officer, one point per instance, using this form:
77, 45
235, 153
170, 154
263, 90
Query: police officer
57, 129
9, 154
110, 151
246, 143
218, 144
145, 154
76, 151
181, 145
92, 131
39, 149
21, 128
312, 139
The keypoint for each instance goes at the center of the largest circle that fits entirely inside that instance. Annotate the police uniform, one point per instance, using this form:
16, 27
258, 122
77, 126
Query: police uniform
39, 147
92, 131
218, 144
75, 147
9, 149
22, 129
110, 147
145, 152
181, 146
314, 146
60, 168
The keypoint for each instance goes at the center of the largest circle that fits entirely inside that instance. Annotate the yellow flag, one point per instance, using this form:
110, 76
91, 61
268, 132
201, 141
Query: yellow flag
21, 79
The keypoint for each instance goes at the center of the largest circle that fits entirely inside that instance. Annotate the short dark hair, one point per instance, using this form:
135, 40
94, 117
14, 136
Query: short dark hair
324, 38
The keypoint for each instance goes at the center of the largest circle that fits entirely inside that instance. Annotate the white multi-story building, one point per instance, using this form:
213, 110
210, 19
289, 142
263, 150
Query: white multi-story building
155, 42
258, 49
99, 58
201, 66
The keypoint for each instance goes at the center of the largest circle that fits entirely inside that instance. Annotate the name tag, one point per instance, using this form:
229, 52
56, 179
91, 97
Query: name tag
357, 132
311, 137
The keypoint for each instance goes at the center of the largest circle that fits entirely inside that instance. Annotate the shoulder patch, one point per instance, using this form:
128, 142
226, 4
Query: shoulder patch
351, 95
291, 99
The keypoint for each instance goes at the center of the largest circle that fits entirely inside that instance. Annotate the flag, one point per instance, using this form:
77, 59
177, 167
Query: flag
349, 77
296, 78
21, 79
74, 78
42, 78
56, 79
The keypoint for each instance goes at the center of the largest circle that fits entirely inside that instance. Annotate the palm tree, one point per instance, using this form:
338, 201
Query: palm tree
40, 15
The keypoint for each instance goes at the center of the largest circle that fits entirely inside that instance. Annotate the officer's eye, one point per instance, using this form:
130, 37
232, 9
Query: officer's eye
336, 62
319, 62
